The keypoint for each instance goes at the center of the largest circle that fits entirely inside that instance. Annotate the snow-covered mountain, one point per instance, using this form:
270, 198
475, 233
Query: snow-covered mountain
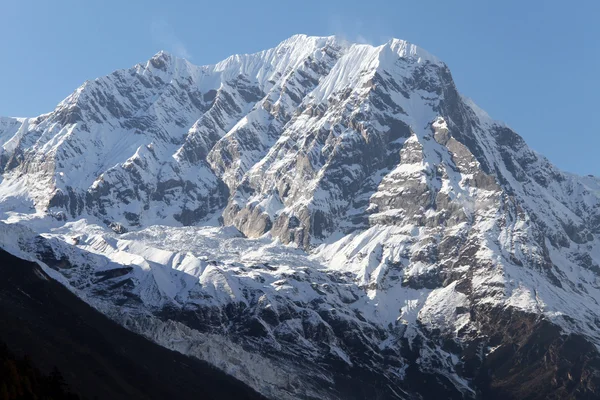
322, 219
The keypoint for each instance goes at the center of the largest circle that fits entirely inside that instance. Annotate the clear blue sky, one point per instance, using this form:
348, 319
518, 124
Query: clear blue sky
531, 63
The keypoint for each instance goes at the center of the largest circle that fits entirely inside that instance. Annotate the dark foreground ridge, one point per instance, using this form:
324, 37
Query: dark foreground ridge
42, 320
20, 379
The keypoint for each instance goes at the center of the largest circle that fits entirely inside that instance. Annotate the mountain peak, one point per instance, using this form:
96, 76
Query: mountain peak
402, 47
162, 53
406, 49
161, 60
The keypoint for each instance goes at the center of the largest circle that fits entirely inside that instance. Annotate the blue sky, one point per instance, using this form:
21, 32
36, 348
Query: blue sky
533, 64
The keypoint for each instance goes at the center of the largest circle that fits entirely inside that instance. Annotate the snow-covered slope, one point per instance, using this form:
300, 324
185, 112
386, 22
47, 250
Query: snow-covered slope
322, 220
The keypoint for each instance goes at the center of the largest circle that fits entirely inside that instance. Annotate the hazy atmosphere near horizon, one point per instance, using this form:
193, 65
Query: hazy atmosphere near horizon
533, 64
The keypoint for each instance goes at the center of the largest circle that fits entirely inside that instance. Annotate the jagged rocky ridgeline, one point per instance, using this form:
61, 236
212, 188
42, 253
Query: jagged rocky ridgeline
321, 220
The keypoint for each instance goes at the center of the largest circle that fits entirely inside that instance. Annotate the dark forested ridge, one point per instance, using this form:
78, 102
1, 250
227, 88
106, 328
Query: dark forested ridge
20, 379
58, 347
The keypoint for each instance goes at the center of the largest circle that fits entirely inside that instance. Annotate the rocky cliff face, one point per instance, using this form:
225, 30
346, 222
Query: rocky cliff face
321, 220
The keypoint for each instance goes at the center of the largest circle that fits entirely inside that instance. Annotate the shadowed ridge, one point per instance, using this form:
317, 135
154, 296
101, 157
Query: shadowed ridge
43, 320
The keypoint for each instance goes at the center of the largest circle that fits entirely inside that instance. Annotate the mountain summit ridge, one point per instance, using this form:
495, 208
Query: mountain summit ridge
321, 220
